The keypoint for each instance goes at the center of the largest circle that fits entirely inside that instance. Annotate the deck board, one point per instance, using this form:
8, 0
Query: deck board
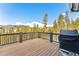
34, 47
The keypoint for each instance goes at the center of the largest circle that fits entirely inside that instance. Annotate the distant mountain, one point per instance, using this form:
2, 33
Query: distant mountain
32, 24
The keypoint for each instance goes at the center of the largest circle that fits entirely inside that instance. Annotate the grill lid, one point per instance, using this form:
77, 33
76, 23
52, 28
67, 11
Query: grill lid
68, 35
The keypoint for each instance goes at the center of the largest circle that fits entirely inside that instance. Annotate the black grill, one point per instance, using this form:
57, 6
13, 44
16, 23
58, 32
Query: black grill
68, 40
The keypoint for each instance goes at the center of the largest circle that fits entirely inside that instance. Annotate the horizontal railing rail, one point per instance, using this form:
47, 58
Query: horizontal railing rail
20, 37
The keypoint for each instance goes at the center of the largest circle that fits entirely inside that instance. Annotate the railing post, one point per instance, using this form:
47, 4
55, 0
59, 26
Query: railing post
51, 37
38, 34
21, 37
30, 35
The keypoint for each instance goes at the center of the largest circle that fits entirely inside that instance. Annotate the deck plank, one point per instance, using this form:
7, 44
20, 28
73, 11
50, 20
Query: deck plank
34, 47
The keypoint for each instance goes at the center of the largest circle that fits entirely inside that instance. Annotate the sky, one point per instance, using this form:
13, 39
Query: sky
12, 13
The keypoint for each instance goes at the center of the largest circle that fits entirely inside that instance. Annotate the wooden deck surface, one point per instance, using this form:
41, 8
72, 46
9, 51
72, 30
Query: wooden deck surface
34, 47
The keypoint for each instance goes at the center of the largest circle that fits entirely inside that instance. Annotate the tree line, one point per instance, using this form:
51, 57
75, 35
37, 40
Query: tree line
63, 22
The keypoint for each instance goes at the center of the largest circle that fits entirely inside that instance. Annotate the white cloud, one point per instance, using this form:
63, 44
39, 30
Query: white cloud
19, 23
64, 14
49, 25
32, 24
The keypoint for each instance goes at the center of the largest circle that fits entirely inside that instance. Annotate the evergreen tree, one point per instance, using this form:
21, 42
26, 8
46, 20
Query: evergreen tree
45, 22
45, 19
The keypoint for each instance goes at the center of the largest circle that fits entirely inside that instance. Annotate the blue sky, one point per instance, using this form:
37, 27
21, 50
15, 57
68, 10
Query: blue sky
11, 13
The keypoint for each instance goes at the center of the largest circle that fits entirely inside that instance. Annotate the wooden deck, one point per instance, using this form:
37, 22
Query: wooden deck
34, 47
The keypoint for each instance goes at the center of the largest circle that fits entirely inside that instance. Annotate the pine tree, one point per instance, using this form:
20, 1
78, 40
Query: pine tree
45, 22
45, 19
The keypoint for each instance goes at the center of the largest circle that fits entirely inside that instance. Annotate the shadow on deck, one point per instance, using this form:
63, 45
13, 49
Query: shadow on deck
34, 47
